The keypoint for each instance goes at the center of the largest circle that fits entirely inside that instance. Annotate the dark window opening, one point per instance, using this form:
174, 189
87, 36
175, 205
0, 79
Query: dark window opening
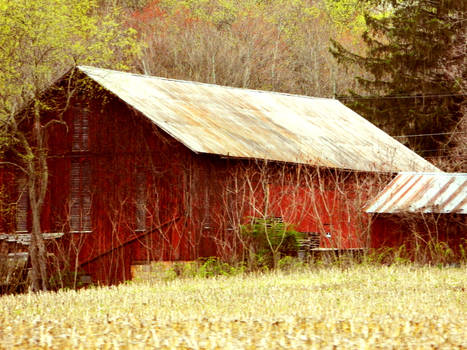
80, 129
80, 206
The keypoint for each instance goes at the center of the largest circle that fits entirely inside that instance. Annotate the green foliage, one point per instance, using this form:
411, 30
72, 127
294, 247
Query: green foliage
201, 268
269, 239
124, 4
415, 49
288, 15
347, 15
431, 252
463, 250
41, 39
292, 264
66, 279
213, 266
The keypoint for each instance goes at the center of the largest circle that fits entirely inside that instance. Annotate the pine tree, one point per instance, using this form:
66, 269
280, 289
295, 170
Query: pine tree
415, 68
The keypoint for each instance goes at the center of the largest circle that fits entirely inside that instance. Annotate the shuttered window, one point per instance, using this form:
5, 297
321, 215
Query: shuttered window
80, 129
80, 206
140, 201
22, 206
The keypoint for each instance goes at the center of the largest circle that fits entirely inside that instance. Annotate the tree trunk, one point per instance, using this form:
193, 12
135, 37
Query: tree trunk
38, 174
37, 251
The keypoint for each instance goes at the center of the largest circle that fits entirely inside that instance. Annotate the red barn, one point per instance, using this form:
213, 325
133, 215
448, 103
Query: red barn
424, 212
150, 169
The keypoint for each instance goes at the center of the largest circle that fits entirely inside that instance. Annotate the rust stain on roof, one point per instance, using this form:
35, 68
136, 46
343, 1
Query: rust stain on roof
254, 124
423, 193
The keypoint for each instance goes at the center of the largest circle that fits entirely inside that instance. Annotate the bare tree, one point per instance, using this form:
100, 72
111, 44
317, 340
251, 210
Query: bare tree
42, 53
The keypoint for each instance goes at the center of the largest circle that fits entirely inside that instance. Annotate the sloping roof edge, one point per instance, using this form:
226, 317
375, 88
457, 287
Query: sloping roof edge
282, 144
411, 192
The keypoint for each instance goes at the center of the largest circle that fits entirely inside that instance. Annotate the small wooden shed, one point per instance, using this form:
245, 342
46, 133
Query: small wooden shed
422, 211
158, 169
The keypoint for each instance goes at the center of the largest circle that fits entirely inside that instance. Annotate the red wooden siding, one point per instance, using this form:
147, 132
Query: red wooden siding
150, 198
312, 202
410, 230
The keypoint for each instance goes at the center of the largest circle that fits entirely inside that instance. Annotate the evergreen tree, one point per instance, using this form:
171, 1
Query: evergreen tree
415, 69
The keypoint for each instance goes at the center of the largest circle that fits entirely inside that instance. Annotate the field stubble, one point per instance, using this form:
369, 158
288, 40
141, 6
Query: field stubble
359, 307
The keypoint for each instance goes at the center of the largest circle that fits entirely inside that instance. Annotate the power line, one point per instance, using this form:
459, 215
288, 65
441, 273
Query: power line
433, 134
443, 149
443, 157
397, 97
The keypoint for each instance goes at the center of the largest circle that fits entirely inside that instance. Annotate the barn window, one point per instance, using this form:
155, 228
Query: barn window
22, 206
140, 201
80, 129
80, 206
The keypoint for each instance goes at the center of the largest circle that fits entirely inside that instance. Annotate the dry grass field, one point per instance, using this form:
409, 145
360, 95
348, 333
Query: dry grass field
356, 308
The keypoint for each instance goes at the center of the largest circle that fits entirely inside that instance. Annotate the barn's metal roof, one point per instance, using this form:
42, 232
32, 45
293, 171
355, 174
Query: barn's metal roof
424, 193
246, 123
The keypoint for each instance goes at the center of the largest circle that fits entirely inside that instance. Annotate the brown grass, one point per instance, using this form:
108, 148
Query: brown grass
358, 307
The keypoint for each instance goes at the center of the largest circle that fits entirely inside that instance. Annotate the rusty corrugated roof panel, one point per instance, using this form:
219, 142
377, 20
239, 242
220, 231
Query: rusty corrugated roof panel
246, 123
423, 193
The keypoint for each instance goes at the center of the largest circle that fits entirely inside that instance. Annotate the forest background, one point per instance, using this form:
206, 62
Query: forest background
401, 64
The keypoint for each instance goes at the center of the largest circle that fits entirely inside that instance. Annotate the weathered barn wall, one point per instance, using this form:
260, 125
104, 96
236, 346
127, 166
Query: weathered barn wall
122, 149
196, 202
193, 204
394, 230
324, 201
423, 236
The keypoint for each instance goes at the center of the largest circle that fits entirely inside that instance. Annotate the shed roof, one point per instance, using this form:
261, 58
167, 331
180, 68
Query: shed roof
423, 193
254, 124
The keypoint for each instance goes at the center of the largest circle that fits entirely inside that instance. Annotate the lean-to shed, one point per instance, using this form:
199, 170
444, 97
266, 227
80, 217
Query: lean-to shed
158, 169
424, 211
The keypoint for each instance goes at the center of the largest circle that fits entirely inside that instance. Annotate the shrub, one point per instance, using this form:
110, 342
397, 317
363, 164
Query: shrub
269, 239
13, 274
213, 266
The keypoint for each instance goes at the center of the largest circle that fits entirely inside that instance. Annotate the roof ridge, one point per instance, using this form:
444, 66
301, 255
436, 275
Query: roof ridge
210, 84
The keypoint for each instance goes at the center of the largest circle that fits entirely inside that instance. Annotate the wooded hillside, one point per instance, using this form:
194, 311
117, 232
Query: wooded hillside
400, 64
